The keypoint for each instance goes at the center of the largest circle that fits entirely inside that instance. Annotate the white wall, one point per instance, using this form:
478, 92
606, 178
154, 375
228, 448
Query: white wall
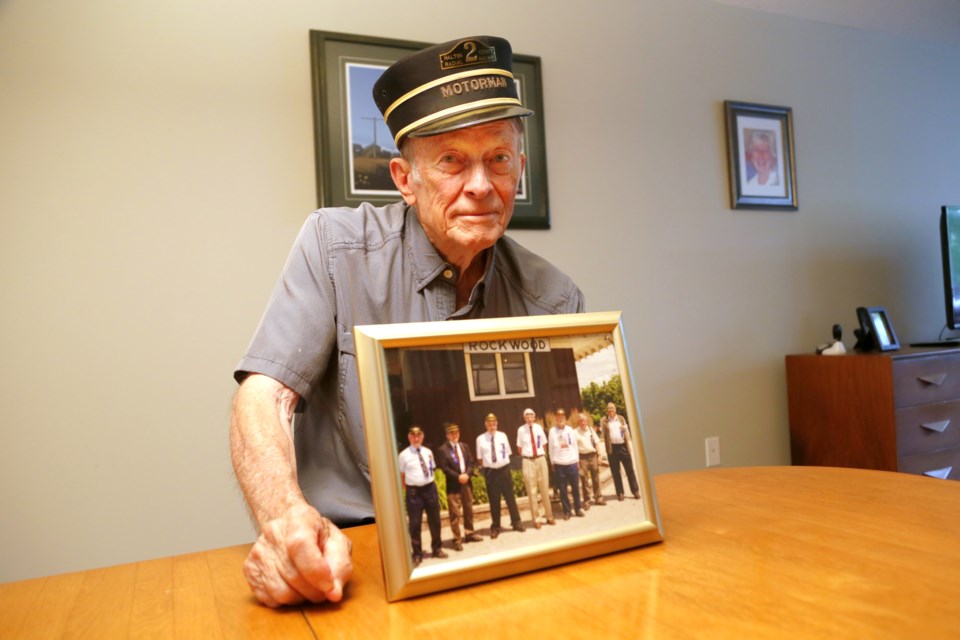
156, 162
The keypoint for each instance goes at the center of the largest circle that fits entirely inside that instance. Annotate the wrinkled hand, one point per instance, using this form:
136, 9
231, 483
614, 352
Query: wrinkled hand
300, 556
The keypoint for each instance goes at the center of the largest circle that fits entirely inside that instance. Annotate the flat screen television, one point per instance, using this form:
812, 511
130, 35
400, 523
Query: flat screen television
950, 251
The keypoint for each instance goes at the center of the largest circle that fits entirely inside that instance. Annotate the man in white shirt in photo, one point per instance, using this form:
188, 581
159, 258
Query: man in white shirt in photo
565, 458
587, 446
493, 455
616, 434
532, 444
417, 465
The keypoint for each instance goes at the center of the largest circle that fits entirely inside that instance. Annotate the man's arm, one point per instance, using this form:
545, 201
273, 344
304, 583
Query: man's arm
300, 555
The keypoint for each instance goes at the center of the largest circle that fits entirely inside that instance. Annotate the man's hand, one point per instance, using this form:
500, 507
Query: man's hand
300, 556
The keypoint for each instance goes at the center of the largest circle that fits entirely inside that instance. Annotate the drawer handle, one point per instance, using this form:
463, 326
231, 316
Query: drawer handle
943, 474
935, 379
939, 427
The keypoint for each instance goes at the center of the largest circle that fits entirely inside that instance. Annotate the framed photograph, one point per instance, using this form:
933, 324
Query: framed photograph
763, 172
353, 145
484, 376
881, 327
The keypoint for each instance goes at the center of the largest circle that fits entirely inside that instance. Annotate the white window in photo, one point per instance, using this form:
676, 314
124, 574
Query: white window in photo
494, 376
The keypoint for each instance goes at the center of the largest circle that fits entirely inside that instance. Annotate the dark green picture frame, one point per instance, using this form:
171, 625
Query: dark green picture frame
352, 149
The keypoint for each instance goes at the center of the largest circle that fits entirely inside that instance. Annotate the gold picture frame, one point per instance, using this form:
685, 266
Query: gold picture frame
416, 373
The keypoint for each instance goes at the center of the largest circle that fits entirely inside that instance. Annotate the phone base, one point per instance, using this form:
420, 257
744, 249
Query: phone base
937, 343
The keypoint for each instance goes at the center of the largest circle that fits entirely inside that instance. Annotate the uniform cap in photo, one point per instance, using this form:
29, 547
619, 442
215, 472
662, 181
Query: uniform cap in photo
449, 86
414, 430
452, 426
490, 416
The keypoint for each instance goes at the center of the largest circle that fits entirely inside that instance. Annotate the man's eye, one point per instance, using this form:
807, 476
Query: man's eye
501, 163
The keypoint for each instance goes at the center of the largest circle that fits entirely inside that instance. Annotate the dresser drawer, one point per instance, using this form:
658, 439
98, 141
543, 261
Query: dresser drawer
928, 427
945, 464
923, 380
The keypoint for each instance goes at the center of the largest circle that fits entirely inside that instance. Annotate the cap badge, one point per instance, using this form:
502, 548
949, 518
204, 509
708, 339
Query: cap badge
466, 53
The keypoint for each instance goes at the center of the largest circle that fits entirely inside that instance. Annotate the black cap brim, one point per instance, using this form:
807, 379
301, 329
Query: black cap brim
469, 119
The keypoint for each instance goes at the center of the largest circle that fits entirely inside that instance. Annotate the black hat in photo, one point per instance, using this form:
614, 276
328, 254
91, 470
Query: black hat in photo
449, 86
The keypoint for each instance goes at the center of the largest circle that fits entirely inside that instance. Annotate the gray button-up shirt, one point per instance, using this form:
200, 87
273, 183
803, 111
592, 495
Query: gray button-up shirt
371, 265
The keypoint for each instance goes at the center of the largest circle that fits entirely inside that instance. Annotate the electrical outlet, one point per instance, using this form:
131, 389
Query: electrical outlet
713, 451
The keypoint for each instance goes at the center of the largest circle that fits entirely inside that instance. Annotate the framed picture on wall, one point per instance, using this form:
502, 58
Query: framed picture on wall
761, 156
485, 376
353, 146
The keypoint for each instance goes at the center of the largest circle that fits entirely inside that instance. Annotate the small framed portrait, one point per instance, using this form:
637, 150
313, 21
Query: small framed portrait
500, 446
881, 327
761, 156
353, 146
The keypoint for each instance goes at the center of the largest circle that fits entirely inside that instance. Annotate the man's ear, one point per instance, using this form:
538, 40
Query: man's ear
401, 172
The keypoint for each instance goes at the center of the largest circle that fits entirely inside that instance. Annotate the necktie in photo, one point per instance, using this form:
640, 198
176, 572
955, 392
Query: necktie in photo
459, 458
493, 448
423, 465
533, 442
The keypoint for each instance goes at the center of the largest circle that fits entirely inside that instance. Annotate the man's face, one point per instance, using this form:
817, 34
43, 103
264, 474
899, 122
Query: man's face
582, 424
463, 184
491, 425
454, 436
561, 419
416, 439
760, 156
611, 409
528, 417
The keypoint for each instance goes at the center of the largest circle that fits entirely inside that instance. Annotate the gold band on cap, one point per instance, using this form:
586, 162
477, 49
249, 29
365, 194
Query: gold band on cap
452, 111
444, 80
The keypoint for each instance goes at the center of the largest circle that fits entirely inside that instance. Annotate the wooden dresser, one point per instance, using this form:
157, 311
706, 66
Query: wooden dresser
895, 411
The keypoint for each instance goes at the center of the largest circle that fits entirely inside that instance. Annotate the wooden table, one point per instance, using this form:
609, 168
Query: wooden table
803, 552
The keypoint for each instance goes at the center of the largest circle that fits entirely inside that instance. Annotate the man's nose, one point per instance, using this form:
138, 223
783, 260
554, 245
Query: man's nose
478, 182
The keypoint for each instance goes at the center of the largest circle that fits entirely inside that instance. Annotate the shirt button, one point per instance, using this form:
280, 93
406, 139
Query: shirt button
447, 273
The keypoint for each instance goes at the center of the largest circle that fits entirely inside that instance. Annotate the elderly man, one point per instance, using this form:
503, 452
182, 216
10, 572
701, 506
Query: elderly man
440, 254
456, 462
587, 443
565, 460
616, 435
532, 445
417, 465
760, 155
493, 455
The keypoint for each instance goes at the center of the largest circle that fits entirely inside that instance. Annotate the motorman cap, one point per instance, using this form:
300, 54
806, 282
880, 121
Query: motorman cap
490, 417
452, 426
414, 430
449, 86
